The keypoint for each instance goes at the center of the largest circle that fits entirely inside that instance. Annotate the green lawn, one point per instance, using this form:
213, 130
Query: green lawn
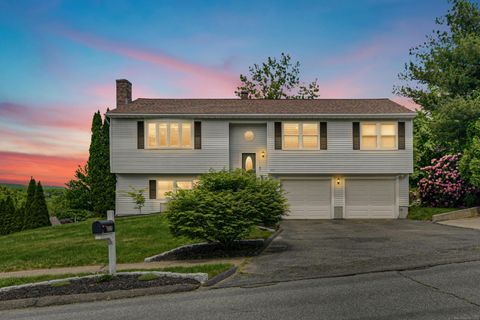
425, 213
74, 245
211, 269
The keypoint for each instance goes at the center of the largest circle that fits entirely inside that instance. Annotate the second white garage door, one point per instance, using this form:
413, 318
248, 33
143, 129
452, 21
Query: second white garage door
308, 199
370, 198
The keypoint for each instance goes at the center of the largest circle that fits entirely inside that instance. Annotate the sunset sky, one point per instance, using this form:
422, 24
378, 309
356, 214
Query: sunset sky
59, 60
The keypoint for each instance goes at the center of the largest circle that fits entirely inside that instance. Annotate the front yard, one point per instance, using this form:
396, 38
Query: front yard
74, 245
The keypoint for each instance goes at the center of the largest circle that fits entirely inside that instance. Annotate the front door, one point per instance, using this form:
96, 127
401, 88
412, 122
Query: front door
248, 161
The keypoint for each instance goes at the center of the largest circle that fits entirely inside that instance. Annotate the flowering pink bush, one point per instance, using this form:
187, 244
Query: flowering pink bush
442, 185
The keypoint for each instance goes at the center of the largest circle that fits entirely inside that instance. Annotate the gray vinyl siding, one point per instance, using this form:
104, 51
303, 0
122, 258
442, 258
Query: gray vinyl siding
338, 192
124, 204
340, 158
126, 158
238, 145
218, 153
404, 191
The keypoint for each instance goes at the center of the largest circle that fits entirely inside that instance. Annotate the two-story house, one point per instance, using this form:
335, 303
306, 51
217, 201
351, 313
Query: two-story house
336, 158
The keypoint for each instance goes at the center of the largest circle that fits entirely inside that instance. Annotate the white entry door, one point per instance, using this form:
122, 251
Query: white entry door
308, 199
370, 198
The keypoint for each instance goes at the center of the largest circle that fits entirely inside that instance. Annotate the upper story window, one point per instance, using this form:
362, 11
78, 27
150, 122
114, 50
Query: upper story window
169, 134
378, 136
300, 135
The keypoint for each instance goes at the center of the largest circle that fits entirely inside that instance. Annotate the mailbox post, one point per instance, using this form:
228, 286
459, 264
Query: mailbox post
105, 230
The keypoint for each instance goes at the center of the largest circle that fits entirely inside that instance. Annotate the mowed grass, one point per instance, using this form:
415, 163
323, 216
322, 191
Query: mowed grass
426, 213
74, 245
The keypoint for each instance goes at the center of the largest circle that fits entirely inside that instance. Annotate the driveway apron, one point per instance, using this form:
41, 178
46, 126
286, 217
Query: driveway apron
326, 248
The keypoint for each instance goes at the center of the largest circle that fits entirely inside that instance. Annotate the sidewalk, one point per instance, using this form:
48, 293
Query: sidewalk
122, 266
470, 223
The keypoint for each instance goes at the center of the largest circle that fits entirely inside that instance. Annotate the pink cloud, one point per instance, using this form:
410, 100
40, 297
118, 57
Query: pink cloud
50, 170
107, 92
406, 102
51, 116
366, 51
350, 85
200, 80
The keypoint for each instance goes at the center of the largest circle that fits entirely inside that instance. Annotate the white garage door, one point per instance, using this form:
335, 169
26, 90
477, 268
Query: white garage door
370, 198
308, 199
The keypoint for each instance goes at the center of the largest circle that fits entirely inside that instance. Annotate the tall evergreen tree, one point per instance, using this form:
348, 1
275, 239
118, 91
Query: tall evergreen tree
94, 186
95, 164
27, 215
8, 221
40, 216
2, 217
109, 179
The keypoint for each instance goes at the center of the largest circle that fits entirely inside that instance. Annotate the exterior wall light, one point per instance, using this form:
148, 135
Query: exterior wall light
249, 135
338, 181
262, 154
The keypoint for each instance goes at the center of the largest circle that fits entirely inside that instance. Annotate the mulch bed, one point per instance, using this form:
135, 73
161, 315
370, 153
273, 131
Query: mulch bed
89, 285
243, 248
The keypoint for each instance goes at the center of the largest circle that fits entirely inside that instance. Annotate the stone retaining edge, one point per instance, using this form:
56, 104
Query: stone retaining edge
95, 296
457, 214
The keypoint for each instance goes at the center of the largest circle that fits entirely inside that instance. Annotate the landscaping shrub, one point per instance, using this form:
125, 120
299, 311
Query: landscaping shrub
442, 185
223, 206
74, 215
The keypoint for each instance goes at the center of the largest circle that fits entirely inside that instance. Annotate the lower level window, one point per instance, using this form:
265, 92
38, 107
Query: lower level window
165, 186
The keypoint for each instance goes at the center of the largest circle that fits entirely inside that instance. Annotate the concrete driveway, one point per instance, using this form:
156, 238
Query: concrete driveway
325, 248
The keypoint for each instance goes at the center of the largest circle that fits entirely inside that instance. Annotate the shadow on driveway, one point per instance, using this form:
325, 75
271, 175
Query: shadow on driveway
326, 248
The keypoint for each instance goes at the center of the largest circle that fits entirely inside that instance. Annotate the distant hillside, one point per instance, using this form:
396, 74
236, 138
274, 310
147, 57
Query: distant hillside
20, 186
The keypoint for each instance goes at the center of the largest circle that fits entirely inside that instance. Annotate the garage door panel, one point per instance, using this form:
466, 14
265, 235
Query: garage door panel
308, 199
370, 198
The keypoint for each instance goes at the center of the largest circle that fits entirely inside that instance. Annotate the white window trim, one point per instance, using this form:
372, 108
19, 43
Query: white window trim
175, 186
378, 131
168, 122
300, 135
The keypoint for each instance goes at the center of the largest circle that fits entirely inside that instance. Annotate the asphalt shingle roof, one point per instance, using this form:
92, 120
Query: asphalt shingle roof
259, 106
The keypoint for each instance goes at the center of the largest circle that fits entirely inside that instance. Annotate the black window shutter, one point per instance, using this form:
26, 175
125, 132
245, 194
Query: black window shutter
323, 136
278, 136
152, 189
197, 134
356, 135
140, 135
401, 135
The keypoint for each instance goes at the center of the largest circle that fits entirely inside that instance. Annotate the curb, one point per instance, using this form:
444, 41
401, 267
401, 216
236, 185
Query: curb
96, 296
267, 242
220, 277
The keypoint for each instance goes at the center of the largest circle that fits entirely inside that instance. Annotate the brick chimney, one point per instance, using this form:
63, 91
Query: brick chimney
244, 94
124, 93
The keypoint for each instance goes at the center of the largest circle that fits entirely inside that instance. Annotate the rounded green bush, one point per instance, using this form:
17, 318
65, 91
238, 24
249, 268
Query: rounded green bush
224, 206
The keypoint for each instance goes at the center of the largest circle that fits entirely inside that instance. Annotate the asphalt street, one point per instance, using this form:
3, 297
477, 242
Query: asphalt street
443, 292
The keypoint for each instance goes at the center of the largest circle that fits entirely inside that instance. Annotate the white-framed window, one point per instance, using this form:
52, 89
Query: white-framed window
300, 135
378, 136
169, 185
169, 134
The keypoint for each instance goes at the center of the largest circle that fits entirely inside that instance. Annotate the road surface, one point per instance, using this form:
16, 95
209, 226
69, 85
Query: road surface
443, 292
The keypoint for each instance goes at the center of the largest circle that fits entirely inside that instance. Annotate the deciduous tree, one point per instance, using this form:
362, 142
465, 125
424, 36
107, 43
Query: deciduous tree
277, 79
447, 64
